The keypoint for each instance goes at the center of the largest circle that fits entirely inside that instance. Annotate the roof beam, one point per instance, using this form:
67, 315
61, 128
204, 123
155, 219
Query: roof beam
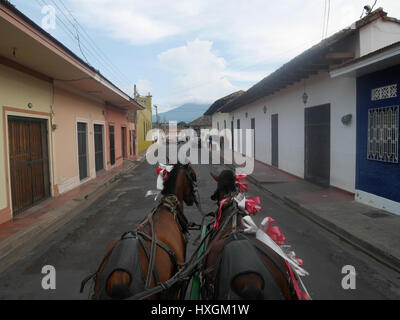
340, 56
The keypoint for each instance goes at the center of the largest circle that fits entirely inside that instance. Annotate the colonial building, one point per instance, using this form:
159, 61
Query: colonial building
221, 120
144, 120
378, 100
203, 122
56, 112
305, 120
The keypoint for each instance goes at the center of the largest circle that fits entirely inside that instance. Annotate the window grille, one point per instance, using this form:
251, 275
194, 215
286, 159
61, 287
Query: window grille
383, 134
384, 92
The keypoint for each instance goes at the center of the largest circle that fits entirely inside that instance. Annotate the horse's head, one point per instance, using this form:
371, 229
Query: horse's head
191, 185
226, 185
183, 177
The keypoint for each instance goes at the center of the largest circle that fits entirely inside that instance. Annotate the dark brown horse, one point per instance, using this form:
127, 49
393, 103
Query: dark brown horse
160, 240
238, 265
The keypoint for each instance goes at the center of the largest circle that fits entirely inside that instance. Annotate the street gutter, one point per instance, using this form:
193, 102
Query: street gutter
19, 245
376, 253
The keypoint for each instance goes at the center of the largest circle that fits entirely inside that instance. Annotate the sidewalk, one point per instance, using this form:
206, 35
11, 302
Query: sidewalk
374, 231
20, 235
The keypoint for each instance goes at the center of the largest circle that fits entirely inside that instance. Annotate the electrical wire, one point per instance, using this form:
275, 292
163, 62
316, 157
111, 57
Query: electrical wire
324, 21
327, 19
93, 45
76, 37
327, 11
80, 40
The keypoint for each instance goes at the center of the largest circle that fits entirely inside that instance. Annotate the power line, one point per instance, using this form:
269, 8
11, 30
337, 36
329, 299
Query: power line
324, 21
93, 44
77, 38
327, 11
327, 19
81, 44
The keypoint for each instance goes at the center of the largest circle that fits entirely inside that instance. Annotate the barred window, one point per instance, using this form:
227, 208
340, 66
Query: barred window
384, 92
383, 134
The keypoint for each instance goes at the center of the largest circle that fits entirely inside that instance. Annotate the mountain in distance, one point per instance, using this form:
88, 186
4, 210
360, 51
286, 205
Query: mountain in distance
186, 112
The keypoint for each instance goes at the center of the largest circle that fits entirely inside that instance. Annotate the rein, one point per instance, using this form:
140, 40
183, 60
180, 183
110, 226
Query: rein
192, 266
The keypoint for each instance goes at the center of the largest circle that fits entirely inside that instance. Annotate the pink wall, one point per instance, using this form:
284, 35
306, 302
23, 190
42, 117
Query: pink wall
116, 118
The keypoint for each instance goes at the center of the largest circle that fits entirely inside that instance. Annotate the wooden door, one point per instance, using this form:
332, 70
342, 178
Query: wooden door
98, 147
134, 141
239, 138
82, 150
29, 163
123, 142
253, 127
318, 144
233, 136
274, 140
112, 145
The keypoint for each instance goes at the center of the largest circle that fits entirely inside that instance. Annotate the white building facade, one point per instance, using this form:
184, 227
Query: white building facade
305, 120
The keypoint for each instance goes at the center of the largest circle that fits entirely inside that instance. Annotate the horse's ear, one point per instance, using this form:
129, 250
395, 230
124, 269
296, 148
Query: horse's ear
214, 176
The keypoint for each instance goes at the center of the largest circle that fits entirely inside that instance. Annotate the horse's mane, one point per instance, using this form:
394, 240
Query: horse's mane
226, 184
170, 183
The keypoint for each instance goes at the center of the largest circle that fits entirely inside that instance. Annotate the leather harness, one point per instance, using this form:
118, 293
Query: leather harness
210, 273
172, 204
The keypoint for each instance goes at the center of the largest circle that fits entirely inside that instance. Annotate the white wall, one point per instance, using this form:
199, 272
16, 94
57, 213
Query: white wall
219, 118
377, 35
340, 93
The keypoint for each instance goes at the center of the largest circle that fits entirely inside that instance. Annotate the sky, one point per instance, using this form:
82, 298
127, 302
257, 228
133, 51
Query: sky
186, 51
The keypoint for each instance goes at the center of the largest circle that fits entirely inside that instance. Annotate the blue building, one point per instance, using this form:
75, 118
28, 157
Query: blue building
377, 118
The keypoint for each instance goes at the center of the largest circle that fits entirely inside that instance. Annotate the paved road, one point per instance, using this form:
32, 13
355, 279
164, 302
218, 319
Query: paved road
77, 249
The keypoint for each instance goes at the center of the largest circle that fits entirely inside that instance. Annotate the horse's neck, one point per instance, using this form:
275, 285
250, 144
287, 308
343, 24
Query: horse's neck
179, 188
226, 214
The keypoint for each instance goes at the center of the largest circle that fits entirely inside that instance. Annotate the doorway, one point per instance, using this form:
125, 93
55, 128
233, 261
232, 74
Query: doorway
123, 142
29, 162
275, 140
112, 145
82, 150
318, 144
98, 147
253, 128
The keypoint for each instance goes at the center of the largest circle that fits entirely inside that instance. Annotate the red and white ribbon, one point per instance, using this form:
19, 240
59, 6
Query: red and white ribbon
243, 186
275, 233
252, 205
162, 175
217, 221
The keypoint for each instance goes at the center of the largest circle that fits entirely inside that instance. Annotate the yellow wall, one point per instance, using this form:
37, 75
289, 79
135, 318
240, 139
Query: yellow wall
70, 108
144, 122
17, 89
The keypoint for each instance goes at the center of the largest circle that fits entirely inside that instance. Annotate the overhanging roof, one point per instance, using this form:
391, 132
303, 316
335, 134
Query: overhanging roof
24, 43
203, 121
220, 103
375, 61
319, 57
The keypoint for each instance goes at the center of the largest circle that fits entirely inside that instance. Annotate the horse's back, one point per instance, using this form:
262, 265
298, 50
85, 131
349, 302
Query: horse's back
125, 257
240, 257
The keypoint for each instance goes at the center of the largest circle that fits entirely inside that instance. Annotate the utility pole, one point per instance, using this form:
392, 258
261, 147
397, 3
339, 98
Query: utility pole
157, 118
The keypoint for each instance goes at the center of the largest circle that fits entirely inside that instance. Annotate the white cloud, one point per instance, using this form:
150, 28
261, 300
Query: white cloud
199, 75
134, 21
253, 32
253, 38
144, 87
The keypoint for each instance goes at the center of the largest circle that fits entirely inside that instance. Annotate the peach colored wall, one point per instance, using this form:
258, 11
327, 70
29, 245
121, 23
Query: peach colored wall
132, 127
17, 89
70, 108
117, 118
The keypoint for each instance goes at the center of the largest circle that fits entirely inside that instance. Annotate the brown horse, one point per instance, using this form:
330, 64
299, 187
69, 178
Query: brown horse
238, 265
154, 252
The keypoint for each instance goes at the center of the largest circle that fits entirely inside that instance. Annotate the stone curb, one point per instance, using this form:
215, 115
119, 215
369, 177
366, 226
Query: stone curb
378, 254
22, 243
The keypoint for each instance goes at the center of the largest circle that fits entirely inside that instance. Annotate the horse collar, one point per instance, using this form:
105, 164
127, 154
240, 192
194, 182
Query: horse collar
172, 203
